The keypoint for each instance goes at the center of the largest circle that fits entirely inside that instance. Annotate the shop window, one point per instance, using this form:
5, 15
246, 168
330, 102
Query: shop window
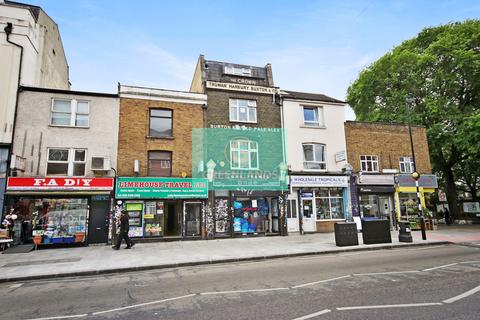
314, 156
329, 203
243, 110
238, 71
251, 215
54, 221
244, 155
3, 161
160, 163
160, 123
312, 116
66, 162
369, 163
406, 165
70, 113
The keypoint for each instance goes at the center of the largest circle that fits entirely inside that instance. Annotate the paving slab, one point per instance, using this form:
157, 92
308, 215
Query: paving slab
82, 261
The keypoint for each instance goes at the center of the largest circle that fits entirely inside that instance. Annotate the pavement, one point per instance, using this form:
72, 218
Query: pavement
92, 260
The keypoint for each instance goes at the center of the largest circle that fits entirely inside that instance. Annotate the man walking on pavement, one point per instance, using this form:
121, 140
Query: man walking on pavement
124, 227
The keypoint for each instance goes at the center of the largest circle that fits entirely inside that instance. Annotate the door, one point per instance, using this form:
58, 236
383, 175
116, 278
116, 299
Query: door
193, 214
172, 219
309, 224
98, 219
292, 216
385, 208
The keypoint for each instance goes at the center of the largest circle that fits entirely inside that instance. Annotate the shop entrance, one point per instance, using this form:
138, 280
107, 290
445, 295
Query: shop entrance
309, 223
172, 219
193, 214
97, 224
292, 217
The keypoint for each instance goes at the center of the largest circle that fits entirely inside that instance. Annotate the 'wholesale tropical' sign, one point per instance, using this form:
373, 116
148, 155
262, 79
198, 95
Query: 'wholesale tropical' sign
160, 188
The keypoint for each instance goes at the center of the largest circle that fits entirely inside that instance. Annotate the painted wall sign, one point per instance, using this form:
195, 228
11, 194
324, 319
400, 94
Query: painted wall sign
59, 183
319, 181
240, 87
161, 188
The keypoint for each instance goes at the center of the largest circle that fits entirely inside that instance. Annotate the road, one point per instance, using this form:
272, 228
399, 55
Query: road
435, 282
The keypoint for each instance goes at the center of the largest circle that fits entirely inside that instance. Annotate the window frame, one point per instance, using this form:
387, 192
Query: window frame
374, 163
404, 163
73, 113
237, 106
318, 114
70, 162
238, 151
324, 153
161, 117
148, 162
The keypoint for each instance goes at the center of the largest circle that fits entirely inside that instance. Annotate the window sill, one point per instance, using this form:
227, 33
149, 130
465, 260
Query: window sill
70, 127
315, 170
165, 138
248, 122
312, 127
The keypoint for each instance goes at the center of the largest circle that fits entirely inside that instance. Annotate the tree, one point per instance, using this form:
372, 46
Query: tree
439, 70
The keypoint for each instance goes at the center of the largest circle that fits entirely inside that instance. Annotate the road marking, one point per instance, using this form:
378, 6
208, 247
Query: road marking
241, 291
385, 306
61, 317
478, 261
440, 267
15, 286
463, 295
321, 281
144, 304
313, 315
381, 273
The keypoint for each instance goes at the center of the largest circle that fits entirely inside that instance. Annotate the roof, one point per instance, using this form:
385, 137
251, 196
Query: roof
69, 92
35, 10
309, 96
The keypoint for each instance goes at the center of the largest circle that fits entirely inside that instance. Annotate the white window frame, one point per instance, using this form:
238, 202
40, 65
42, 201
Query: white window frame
71, 162
234, 104
237, 71
324, 162
251, 152
73, 113
318, 115
365, 160
406, 162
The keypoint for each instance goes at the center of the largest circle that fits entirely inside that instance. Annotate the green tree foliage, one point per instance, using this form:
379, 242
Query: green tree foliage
439, 70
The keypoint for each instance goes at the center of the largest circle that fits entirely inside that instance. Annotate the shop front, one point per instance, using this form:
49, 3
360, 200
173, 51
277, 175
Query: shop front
376, 196
322, 201
60, 210
163, 207
406, 198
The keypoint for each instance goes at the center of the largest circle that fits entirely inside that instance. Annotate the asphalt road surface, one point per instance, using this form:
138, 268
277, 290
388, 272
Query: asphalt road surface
435, 282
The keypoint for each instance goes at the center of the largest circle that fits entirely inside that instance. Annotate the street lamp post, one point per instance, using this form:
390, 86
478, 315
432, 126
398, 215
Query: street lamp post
415, 174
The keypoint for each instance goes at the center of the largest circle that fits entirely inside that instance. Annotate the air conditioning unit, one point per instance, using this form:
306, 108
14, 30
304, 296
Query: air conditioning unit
100, 164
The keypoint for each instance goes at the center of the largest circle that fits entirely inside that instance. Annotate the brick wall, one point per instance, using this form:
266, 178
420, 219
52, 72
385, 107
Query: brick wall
268, 113
387, 141
134, 143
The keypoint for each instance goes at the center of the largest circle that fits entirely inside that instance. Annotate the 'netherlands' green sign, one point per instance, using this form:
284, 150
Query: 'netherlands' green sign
160, 188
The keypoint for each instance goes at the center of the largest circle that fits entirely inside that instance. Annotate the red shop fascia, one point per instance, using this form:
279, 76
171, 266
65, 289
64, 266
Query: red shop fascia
60, 209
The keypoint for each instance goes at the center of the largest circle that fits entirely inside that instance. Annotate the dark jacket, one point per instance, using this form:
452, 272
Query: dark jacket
124, 224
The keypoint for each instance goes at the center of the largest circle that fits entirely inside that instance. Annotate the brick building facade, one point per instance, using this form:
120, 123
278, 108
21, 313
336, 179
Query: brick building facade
155, 162
242, 98
381, 157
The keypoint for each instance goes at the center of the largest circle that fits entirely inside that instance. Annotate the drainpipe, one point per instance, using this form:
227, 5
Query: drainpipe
8, 31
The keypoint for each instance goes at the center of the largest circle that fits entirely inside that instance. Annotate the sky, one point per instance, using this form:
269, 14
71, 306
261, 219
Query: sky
313, 46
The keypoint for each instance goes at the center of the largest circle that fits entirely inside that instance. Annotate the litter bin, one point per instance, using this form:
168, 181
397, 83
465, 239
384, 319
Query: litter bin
376, 231
346, 234
405, 235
